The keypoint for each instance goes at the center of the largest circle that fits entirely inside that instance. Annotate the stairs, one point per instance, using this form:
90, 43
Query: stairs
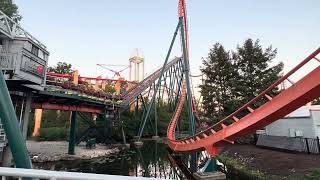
2, 138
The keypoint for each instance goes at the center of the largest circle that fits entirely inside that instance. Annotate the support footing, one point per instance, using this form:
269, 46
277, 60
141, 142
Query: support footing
216, 175
127, 145
138, 143
155, 137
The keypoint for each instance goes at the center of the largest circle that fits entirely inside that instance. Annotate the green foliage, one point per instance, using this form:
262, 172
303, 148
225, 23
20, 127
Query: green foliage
53, 134
315, 174
255, 72
233, 79
61, 68
10, 9
237, 170
218, 88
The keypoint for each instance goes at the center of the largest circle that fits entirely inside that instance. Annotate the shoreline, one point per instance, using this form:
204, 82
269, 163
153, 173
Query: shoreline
51, 151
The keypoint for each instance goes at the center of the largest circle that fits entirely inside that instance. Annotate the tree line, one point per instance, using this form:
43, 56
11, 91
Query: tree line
233, 78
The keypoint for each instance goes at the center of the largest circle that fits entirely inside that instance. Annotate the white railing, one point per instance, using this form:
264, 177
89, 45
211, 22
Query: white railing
20, 173
13, 30
7, 61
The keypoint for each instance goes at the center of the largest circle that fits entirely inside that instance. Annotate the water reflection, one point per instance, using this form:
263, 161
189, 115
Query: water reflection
151, 160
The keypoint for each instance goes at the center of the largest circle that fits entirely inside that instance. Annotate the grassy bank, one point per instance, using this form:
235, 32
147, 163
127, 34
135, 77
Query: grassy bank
238, 170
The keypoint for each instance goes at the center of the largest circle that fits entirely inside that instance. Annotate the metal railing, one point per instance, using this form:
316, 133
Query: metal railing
7, 61
13, 30
19, 173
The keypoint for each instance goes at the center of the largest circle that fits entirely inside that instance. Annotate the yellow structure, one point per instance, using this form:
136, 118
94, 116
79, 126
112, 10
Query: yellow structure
37, 122
75, 77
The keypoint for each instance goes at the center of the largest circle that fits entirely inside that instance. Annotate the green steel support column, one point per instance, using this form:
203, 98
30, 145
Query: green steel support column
164, 85
211, 165
186, 71
72, 135
177, 98
156, 116
11, 127
26, 115
122, 130
192, 131
106, 125
159, 80
136, 113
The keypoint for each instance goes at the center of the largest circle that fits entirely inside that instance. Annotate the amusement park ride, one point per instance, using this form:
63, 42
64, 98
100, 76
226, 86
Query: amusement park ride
23, 67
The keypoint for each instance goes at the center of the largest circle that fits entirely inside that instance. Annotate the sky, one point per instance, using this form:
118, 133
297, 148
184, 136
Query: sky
86, 33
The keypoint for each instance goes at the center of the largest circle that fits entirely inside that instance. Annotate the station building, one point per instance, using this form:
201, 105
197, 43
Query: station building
23, 62
304, 122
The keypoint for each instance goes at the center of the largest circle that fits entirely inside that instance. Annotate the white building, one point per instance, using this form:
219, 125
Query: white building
304, 122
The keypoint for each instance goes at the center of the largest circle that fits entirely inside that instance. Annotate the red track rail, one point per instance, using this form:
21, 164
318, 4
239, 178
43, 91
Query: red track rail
300, 93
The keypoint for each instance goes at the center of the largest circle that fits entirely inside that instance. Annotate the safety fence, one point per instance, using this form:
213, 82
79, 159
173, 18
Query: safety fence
311, 145
292, 144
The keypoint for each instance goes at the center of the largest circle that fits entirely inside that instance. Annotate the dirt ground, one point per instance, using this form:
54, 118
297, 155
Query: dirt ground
274, 162
45, 151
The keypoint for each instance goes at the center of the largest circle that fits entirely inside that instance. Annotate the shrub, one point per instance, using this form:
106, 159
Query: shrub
53, 134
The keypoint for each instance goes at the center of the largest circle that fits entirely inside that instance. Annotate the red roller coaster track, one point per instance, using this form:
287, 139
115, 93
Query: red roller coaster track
297, 95
232, 127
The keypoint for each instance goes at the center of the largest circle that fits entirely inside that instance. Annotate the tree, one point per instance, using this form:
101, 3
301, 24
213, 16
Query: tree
10, 9
61, 68
218, 90
254, 68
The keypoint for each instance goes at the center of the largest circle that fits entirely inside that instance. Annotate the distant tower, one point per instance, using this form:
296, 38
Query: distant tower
136, 66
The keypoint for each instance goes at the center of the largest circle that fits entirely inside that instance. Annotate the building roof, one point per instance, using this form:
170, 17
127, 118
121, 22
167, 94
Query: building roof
303, 111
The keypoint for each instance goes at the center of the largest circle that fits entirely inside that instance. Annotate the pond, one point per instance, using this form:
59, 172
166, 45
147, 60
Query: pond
150, 160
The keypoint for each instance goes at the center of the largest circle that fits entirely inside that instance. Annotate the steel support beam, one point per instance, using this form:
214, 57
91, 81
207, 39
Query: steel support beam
159, 80
72, 135
192, 130
26, 115
78, 108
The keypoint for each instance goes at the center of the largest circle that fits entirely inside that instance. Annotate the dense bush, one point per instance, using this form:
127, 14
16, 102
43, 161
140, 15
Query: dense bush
53, 134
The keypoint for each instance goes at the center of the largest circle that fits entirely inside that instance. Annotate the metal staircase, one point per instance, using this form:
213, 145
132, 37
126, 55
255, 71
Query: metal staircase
2, 138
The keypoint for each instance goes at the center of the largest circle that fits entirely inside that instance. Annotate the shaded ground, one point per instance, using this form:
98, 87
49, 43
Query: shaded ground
273, 162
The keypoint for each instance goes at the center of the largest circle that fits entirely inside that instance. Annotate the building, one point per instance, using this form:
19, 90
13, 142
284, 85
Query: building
23, 62
304, 122
23, 59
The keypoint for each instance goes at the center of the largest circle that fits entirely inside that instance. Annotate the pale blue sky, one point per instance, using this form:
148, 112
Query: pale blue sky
85, 33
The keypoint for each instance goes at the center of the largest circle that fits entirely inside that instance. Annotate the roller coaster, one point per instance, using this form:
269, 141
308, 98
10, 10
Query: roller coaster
172, 83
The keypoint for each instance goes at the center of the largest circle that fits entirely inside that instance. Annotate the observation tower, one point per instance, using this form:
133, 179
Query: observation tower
136, 66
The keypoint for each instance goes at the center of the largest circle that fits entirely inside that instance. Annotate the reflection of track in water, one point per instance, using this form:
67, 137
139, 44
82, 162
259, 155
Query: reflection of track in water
180, 167
152, 161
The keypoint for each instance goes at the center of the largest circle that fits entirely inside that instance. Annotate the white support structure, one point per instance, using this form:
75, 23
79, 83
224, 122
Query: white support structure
136, 65
59, 175
13, 30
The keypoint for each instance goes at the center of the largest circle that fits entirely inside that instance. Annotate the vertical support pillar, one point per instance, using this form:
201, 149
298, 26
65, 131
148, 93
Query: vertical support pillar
156, 118
75, 77
122, 129
142, 71
37, 122
137, 72
72, 135
129, 70
192, 131
26, 115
